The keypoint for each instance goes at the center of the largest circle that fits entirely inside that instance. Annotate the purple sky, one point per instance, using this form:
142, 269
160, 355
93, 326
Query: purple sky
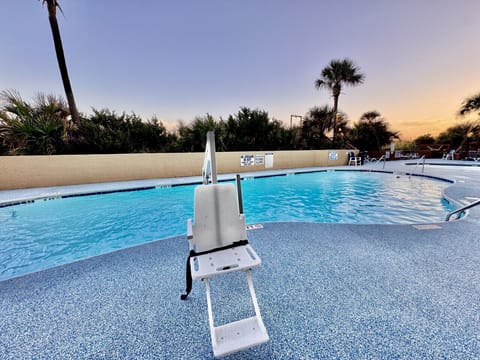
184, 58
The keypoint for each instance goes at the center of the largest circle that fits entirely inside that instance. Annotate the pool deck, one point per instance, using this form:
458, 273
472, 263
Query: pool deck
325, 291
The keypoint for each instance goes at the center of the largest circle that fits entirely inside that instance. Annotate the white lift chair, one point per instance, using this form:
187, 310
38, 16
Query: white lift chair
218, 245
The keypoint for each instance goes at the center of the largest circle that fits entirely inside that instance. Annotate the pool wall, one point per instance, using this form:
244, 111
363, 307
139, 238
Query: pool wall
19, 172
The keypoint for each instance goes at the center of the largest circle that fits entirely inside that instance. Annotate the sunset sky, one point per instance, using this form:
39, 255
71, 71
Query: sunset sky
185, 58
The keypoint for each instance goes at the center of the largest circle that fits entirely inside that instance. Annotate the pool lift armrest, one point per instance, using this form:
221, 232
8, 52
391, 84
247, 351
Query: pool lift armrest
189, 232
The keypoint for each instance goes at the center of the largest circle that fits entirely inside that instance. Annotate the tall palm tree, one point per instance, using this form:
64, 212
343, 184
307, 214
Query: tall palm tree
52, 6
334, 76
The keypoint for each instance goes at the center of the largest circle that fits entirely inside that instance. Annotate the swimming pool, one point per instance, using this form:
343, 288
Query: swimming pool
47, 233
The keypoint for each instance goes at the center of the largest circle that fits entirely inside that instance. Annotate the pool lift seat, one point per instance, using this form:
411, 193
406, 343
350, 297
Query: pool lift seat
218, 245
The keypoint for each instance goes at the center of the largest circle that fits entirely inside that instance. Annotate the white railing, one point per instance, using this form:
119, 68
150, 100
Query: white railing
421, 160
209, 170
381, 159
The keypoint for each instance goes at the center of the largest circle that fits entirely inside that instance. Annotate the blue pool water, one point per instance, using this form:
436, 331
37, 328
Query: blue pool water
48, 233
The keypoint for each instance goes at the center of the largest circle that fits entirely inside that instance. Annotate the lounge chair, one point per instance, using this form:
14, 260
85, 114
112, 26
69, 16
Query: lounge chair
219, 245
450, 155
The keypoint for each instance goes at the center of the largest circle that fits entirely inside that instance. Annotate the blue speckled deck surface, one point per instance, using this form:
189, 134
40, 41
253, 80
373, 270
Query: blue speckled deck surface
325, 291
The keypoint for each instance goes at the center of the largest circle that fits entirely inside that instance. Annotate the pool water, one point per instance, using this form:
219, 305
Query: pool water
48, 233
345, 197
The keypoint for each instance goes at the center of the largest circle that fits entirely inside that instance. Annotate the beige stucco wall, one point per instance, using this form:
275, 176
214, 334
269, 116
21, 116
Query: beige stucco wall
17, 172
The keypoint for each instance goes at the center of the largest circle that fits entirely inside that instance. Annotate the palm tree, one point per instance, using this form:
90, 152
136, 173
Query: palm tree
315, 125
470, 104
36, 129
372, 132
371, 116
337, 74
459, 136
52, 6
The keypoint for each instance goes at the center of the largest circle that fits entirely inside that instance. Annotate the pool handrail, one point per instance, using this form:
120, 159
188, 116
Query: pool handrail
461, 210
422, 159
381, 159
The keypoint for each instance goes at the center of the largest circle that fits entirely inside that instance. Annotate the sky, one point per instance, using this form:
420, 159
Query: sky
177, 60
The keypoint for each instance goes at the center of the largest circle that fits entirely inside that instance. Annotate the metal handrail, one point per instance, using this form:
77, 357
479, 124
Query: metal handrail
423, 163
381, 159
422, 159
462, 210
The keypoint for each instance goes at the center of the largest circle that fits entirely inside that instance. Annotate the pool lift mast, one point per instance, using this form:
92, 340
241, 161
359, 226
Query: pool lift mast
209, 170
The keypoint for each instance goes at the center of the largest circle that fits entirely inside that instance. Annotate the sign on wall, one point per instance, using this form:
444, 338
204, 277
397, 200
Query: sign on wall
247, 160
268, 160
259, 159
333, 155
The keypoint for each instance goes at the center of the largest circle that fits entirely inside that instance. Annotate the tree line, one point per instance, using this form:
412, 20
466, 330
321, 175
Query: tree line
463, 136
44, 126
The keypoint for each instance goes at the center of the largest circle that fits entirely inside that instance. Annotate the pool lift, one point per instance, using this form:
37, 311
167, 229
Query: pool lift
218, 245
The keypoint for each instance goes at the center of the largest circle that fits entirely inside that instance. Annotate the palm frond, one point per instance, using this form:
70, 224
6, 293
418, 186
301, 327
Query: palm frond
52, 5
12, 103
370, 116
338, 73
470, 104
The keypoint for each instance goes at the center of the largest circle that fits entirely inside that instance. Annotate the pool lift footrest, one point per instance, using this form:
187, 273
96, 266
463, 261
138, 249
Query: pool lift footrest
238, 335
